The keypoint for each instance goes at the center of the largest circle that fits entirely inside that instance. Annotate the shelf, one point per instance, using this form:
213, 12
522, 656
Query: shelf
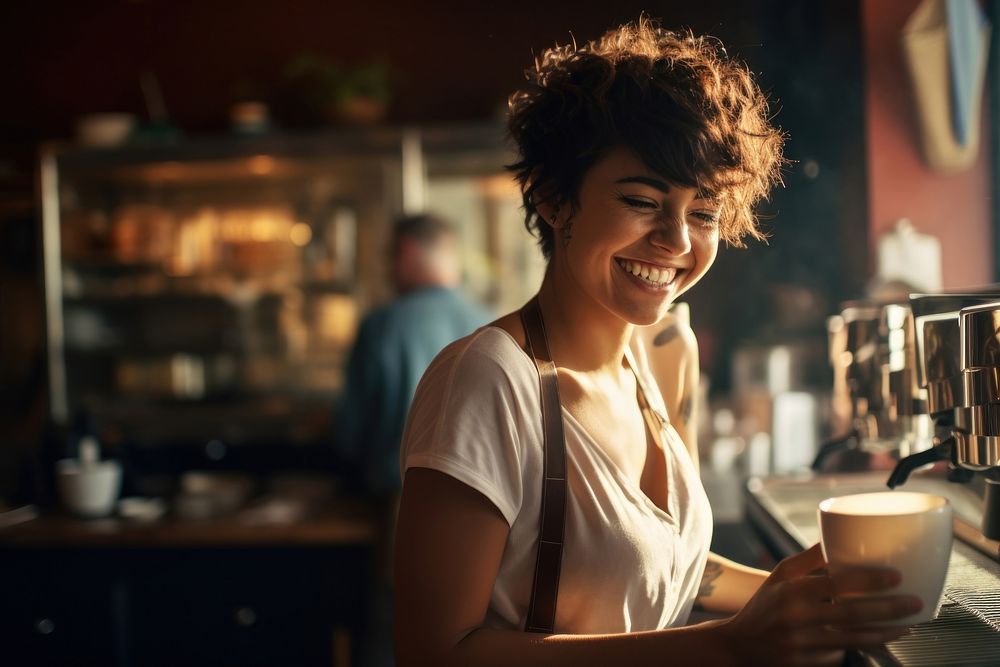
252, 289
325, 146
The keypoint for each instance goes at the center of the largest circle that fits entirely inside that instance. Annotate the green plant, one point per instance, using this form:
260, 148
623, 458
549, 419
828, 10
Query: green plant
371, 80
321, 81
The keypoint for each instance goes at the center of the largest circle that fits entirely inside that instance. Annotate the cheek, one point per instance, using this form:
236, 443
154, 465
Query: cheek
705, 248
601, 233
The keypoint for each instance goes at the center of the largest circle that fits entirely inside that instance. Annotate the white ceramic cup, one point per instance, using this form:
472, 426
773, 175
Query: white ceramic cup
89, 491
905, 531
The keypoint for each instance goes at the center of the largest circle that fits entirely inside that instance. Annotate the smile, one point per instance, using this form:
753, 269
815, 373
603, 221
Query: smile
653, 276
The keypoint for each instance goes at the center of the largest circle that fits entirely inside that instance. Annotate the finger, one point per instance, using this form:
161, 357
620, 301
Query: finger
800, 564
845, 582
857, 638
825, 658
818, 659
858, 579
812, 587
859, 611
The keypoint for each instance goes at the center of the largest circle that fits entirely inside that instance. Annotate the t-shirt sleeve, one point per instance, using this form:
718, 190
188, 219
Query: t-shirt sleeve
467, 421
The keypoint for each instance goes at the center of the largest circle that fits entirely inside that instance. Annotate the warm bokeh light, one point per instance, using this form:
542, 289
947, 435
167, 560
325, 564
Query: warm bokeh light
261, 165
301, 234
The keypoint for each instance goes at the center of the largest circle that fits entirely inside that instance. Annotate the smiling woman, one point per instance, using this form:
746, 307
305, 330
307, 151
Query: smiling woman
545, 488
631, 240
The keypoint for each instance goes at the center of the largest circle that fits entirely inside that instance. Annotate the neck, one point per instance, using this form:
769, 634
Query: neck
583, 335
414, 282
414, 287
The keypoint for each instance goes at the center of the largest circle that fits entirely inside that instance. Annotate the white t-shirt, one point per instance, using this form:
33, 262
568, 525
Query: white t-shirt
627, 565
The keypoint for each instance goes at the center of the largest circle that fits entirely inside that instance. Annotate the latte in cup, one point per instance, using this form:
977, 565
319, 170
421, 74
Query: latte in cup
905, 531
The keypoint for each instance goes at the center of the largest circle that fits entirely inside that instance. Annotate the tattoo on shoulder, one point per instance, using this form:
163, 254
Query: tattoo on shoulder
712, 572
665, 336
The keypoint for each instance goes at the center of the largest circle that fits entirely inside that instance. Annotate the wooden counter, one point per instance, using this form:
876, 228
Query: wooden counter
234, 590
341, 523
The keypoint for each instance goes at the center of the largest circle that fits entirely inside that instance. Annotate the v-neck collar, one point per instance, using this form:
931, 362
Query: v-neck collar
641, 395
624, 481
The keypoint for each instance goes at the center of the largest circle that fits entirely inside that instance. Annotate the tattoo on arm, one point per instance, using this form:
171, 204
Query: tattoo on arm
712, 572
686, 409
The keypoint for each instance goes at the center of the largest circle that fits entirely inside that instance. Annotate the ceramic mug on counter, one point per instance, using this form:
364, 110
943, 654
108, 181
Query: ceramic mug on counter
905, 531
89, 490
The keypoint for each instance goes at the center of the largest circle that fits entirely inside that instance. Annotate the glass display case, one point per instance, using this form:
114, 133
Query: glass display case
207, 292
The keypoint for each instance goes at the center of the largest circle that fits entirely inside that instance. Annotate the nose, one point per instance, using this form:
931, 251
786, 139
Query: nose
672, 235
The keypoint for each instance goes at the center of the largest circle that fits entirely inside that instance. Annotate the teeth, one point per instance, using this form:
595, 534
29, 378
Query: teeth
651, 274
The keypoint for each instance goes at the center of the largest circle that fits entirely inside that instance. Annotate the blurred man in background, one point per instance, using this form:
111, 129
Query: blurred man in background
395, 344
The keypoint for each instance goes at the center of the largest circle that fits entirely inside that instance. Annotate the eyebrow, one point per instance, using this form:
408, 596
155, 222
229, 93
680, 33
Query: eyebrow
662, 186
645, 180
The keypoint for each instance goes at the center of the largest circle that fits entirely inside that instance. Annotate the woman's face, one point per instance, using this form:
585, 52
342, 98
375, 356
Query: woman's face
635, 242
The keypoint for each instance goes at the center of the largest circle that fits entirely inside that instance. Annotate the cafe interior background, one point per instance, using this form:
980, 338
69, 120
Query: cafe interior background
194, 204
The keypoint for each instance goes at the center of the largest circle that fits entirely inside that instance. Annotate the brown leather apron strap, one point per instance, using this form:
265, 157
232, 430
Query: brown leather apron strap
548, 562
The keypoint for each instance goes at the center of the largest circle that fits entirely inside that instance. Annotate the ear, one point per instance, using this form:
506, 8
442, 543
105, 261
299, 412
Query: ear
553, 215
547, 206
550, 217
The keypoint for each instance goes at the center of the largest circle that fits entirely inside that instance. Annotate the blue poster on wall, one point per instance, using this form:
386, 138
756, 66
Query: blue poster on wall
946, 46
967, 40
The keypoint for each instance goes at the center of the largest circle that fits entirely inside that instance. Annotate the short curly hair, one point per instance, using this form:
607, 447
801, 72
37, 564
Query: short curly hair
690, 113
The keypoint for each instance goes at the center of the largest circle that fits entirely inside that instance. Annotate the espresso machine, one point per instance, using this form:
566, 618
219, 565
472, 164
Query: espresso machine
959, 362
878, 401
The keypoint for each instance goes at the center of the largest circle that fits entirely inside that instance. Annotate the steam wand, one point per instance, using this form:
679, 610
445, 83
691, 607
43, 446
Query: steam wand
943, 451
833, 446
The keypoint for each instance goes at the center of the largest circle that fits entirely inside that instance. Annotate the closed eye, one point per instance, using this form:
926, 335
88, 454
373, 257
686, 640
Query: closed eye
636, 203
707, 218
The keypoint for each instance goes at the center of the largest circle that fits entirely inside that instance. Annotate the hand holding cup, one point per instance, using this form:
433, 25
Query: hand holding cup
910, 533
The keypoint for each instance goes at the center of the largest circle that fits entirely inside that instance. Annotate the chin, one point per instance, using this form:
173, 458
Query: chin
643, 317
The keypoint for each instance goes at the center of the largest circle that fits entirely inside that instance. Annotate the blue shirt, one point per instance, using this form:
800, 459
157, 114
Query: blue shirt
395, 345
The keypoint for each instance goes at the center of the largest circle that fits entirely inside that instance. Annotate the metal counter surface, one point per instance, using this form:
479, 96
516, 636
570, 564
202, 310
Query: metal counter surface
967, 629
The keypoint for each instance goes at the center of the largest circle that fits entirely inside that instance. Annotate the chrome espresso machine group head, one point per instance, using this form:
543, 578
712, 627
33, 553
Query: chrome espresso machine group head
876, 391
959, 367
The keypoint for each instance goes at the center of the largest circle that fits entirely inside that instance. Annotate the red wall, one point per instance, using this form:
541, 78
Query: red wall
956, 207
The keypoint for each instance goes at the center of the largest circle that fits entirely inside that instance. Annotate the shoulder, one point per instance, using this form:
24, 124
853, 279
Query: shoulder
489, 356
673, 331
475, 418
510, 324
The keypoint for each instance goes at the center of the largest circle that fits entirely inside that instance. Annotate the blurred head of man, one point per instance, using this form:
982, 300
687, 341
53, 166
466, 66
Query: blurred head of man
424, 254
